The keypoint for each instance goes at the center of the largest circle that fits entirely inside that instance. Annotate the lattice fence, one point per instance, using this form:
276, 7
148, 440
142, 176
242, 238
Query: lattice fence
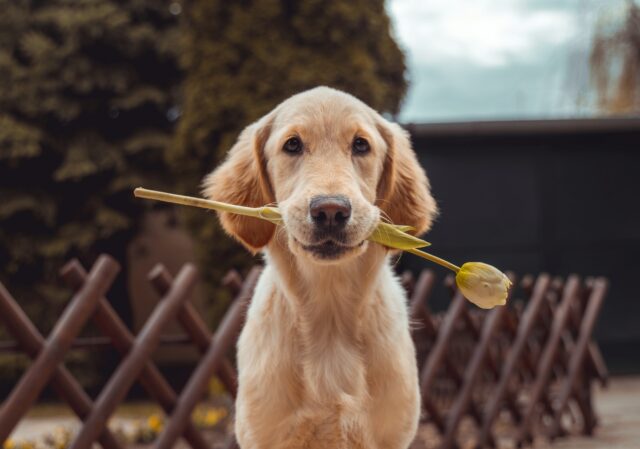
515, 372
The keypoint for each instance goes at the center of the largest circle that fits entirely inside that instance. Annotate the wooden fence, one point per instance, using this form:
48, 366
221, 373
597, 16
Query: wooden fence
534, 361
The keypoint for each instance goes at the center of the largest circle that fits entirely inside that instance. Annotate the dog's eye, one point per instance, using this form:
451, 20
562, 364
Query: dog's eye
293, 145
360, 145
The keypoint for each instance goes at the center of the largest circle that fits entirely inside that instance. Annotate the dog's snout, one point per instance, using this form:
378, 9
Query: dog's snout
330, 212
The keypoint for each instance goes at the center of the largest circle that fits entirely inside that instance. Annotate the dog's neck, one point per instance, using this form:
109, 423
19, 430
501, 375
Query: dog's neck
329, 302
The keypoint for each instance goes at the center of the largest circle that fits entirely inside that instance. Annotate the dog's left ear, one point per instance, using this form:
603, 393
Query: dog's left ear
242, 180
404, 193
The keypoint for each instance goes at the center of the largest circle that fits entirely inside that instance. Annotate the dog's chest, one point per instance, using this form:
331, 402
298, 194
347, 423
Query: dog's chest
291, 364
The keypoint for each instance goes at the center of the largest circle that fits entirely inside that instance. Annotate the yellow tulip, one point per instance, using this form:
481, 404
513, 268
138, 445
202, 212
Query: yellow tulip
482, 284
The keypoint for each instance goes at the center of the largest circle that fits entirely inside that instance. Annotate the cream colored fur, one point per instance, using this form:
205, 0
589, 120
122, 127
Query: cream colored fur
325, 358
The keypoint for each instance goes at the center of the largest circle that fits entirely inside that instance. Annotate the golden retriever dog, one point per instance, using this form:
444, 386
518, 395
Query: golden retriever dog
325, 359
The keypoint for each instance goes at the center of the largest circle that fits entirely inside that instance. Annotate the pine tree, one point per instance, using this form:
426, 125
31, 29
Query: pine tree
87, 105
241, 58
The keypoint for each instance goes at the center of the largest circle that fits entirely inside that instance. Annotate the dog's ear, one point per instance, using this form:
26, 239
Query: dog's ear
242, 179
403, 191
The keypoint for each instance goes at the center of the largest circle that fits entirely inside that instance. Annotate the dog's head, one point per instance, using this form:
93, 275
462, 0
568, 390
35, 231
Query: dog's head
333, 166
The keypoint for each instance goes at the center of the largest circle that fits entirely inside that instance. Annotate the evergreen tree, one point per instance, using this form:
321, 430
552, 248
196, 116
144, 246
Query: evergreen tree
87, 103
241, 58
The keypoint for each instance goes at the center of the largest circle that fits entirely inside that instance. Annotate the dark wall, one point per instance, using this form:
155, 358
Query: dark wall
555, 196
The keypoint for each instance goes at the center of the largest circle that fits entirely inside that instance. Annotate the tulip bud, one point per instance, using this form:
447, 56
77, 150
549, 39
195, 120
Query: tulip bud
483, 285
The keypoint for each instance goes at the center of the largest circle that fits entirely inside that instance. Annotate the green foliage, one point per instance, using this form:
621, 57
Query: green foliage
87, 86
241, 58
89, 96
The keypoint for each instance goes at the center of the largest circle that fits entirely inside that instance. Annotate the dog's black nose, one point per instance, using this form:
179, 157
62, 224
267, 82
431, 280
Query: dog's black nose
330, 212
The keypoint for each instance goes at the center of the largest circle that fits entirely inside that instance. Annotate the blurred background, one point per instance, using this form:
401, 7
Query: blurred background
525, 113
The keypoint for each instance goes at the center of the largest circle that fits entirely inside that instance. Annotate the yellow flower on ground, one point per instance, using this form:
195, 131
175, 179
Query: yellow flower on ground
216, 387
213, 416
9, 444
155, 423
208, 416
483, 284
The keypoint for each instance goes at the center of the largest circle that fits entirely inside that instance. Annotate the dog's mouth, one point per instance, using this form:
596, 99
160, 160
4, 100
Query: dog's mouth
330, 249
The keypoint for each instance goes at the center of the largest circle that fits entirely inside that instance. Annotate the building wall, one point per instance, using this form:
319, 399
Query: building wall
546, 196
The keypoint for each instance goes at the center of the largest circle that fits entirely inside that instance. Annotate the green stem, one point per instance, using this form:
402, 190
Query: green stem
257, 212
197, 202
434, 259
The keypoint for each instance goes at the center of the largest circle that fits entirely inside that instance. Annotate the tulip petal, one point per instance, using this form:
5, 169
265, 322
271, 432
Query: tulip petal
483, 284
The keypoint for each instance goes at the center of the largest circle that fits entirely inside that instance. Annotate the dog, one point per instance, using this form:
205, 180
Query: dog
325, 358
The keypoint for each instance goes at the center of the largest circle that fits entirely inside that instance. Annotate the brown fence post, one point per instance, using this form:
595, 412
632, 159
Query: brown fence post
548, 356
108, 321
437, 355
31, 342
514, 356
577, 362
491, 324
127, 372
199, 333
408, 281
66, 329
421, 316
224, 338
418, 311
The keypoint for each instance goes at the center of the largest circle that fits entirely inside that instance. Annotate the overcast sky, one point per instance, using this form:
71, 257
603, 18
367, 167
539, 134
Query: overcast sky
488, 59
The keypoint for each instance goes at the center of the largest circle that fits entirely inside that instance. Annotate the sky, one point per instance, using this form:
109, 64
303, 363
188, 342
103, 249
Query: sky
498, 59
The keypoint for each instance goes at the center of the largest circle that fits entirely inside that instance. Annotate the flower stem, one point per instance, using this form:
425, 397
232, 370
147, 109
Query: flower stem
434, 259
265, 213
197, 202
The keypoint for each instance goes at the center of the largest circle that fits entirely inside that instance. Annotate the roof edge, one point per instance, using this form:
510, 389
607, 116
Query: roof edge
525, 127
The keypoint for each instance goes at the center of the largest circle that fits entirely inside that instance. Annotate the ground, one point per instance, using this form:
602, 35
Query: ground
618, 408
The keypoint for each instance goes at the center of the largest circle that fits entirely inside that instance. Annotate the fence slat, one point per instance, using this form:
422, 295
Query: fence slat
463, 400
109, 323
547, 359
66, 329
514, 356
199, 333
224, 338
577, 361
32, 342
438, 353
125, 375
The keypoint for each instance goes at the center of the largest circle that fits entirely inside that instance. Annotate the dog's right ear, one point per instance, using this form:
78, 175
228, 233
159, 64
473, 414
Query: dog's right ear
242, 179
404, 194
